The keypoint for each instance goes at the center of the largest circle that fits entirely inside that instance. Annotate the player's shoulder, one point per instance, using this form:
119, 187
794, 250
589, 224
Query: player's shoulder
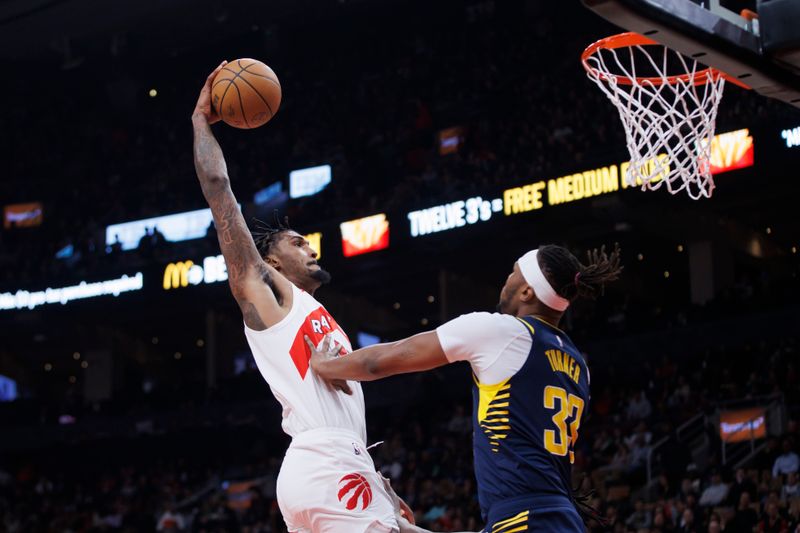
495, 321
478, 315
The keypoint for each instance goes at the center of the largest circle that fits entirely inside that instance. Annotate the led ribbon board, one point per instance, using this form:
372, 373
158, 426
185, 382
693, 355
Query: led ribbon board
23, 299
791, 137
453, 215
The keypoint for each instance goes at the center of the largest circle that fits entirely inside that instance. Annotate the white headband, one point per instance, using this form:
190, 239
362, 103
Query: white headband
532, 272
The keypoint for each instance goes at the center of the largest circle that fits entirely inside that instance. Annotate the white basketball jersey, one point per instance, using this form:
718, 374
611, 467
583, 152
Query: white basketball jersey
282, 356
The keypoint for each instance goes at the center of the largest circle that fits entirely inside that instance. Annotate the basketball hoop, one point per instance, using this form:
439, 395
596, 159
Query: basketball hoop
669, 119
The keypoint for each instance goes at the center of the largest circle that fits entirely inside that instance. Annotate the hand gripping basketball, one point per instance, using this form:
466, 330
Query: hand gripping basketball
203, 107
246, 93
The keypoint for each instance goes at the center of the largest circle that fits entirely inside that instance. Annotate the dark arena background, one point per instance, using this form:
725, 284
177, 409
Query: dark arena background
469, 134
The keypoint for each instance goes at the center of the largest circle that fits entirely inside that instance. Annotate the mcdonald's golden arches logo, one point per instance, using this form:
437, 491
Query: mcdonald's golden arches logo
185, 273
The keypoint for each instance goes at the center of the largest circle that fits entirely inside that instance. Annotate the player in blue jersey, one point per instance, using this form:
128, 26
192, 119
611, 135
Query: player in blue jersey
531, 386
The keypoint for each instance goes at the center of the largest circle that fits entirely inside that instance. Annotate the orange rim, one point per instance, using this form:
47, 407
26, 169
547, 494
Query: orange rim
629, 39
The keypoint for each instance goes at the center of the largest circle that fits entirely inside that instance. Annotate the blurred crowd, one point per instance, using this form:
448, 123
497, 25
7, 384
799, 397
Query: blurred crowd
644, 475
373, 113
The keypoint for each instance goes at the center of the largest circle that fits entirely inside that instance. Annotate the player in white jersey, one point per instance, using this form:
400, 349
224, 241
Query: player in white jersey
327, 482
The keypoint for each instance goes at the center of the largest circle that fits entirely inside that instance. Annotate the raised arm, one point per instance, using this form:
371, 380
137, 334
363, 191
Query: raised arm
263, 295
414, 354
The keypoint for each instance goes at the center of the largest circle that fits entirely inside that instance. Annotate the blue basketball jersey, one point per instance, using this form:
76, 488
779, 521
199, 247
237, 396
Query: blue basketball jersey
525, 427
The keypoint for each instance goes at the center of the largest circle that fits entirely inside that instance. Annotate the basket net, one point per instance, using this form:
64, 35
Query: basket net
669, 119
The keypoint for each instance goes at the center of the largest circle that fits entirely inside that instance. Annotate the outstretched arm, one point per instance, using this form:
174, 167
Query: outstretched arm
414, 354
248, 275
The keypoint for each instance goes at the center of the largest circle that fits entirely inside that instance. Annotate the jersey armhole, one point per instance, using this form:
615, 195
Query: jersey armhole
283, 321
527, 326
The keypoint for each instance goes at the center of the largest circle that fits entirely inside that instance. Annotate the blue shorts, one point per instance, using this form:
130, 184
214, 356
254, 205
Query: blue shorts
538, 514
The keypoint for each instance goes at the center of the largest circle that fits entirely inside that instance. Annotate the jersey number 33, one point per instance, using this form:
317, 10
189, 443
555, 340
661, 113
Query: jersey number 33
562, 440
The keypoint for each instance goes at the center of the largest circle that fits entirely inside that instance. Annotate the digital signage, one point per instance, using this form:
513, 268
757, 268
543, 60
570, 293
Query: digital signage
731, 151
315, 242
8, 389
175, 228
23, 299
365, 339
743, 424
452, 215
22, 215
365, 235
791, 137
268, 194
450, 139
184, 273
309, 181
563, 189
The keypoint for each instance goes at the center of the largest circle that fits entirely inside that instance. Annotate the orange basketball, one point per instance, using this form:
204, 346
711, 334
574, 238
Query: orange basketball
246, 93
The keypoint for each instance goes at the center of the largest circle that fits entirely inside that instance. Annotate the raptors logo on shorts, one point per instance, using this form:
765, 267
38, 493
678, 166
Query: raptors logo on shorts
355, 486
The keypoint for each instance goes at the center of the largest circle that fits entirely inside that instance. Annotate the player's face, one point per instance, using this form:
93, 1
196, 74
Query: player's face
297, 260
509, 302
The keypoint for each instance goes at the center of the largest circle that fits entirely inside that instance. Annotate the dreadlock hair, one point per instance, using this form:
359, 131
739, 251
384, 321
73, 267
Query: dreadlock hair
582, 500
571, 279
266, 235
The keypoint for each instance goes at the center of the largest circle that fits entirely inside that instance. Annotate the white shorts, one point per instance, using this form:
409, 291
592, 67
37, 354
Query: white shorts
328, 484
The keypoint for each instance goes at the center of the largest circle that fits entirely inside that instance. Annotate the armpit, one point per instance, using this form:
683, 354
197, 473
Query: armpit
251, 317
267, 278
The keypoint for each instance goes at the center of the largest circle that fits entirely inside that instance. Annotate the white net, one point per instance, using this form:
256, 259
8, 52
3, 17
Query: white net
669, 119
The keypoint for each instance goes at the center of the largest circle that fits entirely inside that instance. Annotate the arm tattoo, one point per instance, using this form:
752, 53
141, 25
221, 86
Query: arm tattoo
208, 158
235, 239
251, 317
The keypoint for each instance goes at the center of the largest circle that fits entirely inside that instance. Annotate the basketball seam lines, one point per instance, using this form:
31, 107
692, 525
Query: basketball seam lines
232, 82
222, 100
276, 82
241, 104
269, 107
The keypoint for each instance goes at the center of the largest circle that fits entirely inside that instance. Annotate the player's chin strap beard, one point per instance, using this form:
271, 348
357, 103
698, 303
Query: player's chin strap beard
321, 275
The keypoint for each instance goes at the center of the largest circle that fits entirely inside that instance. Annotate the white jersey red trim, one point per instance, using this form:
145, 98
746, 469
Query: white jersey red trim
282, 357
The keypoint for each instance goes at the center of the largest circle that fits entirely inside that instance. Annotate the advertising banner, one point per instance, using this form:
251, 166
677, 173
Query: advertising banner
743, 424
365, 235
22, 215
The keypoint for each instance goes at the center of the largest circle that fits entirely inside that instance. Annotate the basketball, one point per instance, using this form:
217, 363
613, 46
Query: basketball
246, 93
